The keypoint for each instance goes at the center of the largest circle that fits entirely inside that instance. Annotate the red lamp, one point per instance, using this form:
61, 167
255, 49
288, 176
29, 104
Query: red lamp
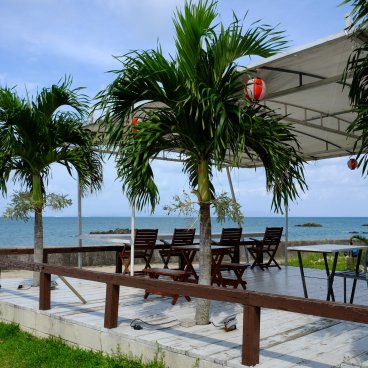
134, 123
352, 164
255, 89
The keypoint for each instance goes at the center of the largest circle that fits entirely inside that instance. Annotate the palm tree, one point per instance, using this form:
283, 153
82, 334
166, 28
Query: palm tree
34, 134
192, 103
357, 70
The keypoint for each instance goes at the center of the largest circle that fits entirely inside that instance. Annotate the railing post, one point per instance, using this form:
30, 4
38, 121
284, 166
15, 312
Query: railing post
111, 306
251, 335
45, 291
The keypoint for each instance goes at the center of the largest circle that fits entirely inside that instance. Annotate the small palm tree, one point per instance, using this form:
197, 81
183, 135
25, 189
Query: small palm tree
357, 70
193, 104
34, 134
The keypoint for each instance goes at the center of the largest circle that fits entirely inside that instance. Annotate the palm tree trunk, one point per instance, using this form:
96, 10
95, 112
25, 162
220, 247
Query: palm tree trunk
38, 244
38, 226
205, 258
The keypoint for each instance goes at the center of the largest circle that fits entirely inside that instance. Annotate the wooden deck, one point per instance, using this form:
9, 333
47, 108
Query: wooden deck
287, 339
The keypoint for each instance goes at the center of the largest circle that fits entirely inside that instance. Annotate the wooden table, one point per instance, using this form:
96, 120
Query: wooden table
325, 249
218, 254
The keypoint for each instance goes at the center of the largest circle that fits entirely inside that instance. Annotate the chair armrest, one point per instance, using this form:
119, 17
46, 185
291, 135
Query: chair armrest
165, 242
215, 242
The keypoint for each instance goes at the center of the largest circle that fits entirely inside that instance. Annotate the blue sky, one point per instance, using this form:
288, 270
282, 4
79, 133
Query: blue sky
43, 40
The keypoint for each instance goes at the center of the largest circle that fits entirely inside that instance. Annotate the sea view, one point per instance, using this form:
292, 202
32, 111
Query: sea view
62, 231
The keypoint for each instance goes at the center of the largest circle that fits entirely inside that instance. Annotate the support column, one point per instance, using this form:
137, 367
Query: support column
237, 256
80, 265
286, 235
132, 234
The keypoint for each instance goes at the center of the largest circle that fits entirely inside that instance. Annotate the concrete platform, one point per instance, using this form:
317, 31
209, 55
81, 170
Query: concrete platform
287, 339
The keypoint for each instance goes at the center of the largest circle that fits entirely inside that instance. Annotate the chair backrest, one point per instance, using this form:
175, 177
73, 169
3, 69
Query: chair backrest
272, 237
183, 237
231, 236
145, 238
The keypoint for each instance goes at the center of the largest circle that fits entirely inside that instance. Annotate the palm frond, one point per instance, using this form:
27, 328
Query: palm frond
191, 103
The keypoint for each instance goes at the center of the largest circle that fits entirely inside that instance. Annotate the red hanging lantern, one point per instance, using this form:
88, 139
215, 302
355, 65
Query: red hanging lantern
255, 89
134, 123
352, 164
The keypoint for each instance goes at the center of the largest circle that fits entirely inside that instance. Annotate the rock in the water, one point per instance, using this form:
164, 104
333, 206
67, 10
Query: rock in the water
309, 224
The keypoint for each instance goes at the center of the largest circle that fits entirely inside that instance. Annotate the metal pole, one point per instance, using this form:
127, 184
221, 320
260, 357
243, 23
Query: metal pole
286, 234
132, 227
234, 199
230, 183
79, 223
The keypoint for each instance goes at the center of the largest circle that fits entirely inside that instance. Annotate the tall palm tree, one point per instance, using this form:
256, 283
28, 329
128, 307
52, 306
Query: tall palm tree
34, 134
357, 68
192, 103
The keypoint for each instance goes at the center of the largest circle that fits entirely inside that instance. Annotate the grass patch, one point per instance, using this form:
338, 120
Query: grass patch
22, 350
315, 260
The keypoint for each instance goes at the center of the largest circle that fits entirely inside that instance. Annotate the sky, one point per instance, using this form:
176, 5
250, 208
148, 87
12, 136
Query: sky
41, 41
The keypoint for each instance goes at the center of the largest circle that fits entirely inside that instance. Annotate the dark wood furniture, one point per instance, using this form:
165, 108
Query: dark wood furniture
268, 246
231, 237
180, 237
144, 245
176, 275
218, 266
218, 253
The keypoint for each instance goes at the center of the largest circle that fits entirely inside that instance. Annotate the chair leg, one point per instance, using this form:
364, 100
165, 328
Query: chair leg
257, 254
272, 259
165, 258
166, 263
252, 252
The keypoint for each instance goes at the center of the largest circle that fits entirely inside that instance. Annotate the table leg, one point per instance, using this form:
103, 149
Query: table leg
236, 255
356, 274
330, 276
216, 269
189, 257
302, 274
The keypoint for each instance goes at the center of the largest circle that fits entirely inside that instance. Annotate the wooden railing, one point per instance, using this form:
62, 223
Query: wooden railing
252, 301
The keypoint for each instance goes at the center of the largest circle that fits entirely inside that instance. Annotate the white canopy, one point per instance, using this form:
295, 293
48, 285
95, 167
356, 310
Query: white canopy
305, 85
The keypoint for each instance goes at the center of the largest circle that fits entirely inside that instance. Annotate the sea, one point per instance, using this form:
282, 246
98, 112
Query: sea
63, 231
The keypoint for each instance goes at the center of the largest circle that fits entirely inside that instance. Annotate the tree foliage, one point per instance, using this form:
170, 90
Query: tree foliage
22, 204
193, 103
225, 208
36, 133
356, 76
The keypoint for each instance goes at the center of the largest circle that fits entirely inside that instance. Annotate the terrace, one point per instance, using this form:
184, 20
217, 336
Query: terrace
286, 339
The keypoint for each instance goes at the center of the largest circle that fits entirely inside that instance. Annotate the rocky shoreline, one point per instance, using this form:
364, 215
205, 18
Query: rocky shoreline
115, 231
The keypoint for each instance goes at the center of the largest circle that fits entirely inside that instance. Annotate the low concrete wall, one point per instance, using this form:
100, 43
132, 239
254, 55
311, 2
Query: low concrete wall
108, 258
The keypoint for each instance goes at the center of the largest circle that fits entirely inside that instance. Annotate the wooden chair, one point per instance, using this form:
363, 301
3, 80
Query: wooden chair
231, 236
180, 237
269, 244
144, 245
